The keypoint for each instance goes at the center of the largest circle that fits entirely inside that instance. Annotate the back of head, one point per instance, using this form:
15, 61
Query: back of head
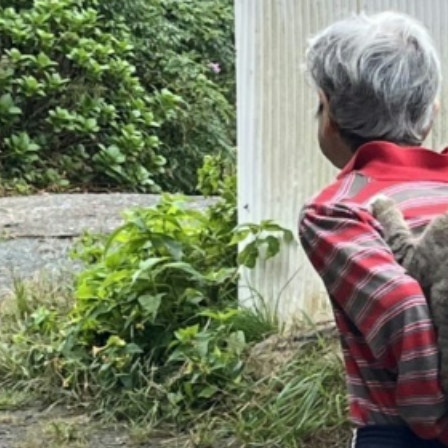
381, 75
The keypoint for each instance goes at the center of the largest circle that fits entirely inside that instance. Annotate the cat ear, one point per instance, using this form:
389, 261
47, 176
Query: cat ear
437, 106
379, 203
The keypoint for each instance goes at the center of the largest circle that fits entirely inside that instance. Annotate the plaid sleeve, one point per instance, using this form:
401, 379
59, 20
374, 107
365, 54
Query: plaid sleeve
385, 305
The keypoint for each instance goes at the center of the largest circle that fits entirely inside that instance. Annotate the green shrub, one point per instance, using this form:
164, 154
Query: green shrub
175, 43
163, 294
155, 308
72, 110
102, 93
158, 272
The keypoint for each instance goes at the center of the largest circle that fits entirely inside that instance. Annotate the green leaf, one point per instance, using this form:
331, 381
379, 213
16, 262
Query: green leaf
202, 346
208, 391
151, 303
43, 61
236, 342
174, 247
221, 275
146, 267
6, 102
116, 341
186, 268
271, 226
248, 256
187, 333
150, 263
194, 296
273, 246
14, 111
239, 236
133, 349
288, 236
91, 125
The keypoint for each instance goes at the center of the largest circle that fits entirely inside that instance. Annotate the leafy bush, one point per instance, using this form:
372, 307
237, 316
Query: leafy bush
72, 110
187, 46
102, 93
159, 270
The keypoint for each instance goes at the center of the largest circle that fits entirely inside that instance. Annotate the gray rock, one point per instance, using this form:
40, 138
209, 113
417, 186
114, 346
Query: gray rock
37, 232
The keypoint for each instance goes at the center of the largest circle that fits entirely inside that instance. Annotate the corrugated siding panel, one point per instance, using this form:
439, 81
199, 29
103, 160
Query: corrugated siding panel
279, 162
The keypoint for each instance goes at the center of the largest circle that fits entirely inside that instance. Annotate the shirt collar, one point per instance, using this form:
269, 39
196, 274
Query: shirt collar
388, 161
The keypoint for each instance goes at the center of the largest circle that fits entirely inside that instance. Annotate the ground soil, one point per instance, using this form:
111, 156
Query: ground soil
59, 427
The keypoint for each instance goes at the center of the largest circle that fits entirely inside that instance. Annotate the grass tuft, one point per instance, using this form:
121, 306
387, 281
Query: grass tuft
298, 402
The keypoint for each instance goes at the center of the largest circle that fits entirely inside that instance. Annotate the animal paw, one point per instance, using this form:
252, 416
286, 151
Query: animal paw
379, 204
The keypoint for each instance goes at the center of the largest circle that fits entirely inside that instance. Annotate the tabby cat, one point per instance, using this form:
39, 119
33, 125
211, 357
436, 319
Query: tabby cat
425, 258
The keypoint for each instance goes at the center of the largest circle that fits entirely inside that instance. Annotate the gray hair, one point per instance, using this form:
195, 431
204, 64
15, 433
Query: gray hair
381, 75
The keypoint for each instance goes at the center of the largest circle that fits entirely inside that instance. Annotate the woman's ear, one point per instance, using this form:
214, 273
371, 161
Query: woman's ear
327, 124
436, 110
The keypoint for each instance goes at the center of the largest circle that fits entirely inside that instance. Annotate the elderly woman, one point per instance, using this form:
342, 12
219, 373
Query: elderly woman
378, 80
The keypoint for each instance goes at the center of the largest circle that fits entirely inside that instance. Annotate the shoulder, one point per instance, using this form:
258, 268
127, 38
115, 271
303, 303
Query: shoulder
347, 187
342, 198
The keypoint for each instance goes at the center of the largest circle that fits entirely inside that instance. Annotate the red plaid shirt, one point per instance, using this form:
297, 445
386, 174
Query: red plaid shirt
387, 335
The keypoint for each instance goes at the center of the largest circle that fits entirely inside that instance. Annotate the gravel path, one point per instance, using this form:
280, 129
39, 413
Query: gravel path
36, 232
59, 428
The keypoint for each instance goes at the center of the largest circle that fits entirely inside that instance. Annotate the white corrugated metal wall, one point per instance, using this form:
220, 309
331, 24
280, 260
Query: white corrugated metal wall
279, 163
